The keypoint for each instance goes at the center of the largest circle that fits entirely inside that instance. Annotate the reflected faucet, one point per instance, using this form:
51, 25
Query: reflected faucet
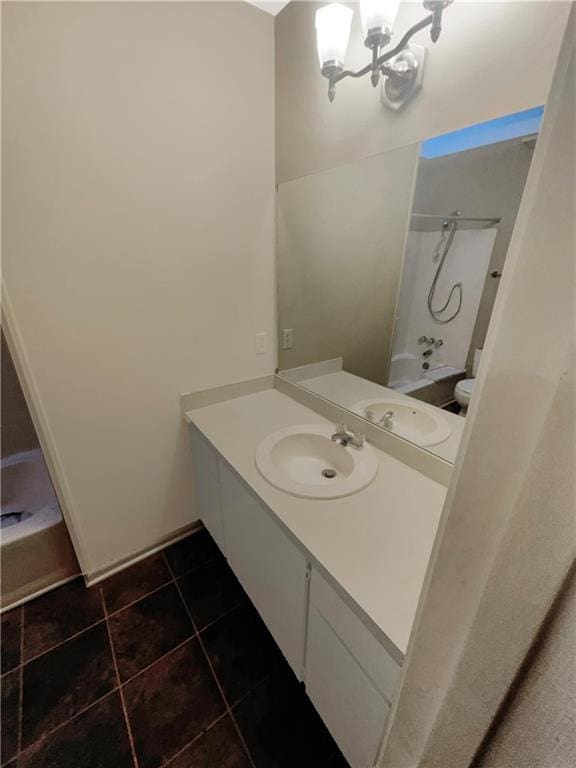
386, 420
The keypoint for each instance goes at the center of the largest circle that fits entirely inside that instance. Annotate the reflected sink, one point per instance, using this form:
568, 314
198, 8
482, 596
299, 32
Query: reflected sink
303, 461
419, 423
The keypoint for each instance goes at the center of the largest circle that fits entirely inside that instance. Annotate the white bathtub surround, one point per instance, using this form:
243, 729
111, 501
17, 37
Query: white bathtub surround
35, 549
406, 375
467, 262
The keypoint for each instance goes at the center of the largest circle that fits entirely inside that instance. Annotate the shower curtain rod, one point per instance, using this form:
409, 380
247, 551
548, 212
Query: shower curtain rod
493, 220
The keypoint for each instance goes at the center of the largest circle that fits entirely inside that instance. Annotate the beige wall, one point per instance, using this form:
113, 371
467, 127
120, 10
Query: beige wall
537, 726
138, 250
482, 67
341, 240
486, 181
506, 538
17, 429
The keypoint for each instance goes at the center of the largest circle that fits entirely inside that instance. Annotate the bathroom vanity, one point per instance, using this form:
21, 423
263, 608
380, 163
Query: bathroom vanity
336, 580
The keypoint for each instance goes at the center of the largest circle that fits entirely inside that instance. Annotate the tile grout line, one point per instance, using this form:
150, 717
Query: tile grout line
228, 707
63, 642
138, 599
193, 636
51, 731
221, 690
122, 702
111, 615
153, 663
222, 616
21, 683
120, 685
170, 580
96, 623
203, 732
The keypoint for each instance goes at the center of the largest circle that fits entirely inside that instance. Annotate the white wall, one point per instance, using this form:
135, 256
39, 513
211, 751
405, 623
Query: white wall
138, 251
341, 240
483, 66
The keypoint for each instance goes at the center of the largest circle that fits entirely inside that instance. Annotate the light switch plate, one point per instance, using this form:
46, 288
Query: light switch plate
287, 338
261, 343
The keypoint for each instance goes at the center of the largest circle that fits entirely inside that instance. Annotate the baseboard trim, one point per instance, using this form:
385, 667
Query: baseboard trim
94, 578
38, 593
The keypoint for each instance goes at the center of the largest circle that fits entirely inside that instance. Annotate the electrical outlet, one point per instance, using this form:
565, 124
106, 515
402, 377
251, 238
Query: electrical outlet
287, 338
261, 343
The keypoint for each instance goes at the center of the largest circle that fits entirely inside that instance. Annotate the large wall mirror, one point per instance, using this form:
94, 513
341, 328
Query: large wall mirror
388, 272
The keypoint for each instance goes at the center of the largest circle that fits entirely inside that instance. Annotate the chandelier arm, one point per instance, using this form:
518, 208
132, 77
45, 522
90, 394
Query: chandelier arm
426, 22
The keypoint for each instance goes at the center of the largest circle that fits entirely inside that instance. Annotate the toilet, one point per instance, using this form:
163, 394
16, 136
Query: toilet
464, 388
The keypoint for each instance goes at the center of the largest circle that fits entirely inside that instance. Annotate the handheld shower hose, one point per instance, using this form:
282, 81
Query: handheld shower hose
446, 241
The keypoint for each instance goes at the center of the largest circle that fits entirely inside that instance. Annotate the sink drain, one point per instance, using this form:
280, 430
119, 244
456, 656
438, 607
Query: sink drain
329, 473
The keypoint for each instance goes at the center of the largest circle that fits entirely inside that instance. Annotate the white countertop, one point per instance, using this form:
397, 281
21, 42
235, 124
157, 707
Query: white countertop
346, 389
375, 544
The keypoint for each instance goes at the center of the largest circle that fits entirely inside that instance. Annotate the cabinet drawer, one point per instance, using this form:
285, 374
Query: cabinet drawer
350, 678
352, 708
369, 653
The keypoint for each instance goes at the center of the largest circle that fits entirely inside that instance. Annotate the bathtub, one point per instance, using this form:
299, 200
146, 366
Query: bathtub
29, 503
406, 373
35, 548
434, 386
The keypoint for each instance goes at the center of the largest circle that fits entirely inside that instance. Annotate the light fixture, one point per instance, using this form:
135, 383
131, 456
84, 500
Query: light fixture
332, 33
378, 17
400, 65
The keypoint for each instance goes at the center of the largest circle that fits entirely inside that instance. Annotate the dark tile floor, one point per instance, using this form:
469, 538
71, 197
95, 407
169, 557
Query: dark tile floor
452, 407
164, 664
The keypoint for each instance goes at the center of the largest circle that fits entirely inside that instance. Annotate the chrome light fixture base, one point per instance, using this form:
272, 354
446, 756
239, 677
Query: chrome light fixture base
404, 76
379, 37
332, 68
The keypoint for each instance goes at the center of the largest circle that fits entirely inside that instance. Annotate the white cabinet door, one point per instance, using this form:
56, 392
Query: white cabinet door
269, 566
207, 486
348, 672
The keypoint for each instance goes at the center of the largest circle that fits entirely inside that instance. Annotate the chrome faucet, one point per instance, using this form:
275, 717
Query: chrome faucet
345, 438
386, 420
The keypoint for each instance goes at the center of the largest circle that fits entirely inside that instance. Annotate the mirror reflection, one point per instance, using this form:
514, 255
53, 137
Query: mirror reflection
388, 273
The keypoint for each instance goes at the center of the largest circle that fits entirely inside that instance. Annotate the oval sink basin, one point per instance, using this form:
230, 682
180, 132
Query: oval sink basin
419, 423
304, 461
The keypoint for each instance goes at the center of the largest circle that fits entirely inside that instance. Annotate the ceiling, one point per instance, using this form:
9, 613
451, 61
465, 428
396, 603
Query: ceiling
271, 6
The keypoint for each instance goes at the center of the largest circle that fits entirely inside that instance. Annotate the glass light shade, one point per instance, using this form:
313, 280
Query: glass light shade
332, 32
378, 14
